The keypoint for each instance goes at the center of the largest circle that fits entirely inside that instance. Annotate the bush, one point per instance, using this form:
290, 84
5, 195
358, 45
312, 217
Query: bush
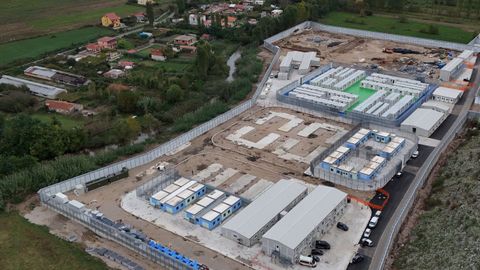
402, 19
432, 30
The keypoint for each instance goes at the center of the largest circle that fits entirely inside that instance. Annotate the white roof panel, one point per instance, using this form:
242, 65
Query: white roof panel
294, 227
265, 207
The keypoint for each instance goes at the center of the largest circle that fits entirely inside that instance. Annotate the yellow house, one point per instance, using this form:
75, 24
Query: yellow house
111, 20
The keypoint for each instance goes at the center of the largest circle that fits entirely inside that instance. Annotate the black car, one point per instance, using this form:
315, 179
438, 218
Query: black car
357, 258
315, 258
342, 226
320, 244
317, 251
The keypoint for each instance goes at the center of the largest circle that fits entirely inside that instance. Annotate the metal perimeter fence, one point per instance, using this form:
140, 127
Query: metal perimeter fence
156, 184
113, 233
380, 180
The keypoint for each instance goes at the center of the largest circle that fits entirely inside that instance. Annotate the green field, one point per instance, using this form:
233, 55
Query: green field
35, 47
27, 246
21, 19
363, 94
393, 26
67, 122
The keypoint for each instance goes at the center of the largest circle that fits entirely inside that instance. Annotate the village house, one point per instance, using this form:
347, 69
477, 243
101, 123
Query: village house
184, 40
63, 107
157, 55
102, 43
140, 16
114, 74
206, 37
126, 64
145, 2
111, 20
188, 49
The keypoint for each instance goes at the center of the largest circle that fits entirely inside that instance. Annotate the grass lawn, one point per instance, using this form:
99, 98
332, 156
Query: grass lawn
67, 122
393, 26
28, 18
363, 94
28, 246
35, 47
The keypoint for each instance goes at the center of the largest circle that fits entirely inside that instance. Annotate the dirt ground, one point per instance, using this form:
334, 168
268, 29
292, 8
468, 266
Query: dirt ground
305, 146
363, 52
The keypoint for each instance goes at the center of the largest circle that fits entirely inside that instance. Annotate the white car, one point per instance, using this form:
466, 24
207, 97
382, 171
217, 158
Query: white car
415, 154
366, 242
378, 213
373, 222
367, 233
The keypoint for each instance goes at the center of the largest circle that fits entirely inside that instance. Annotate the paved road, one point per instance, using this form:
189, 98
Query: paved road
397, 188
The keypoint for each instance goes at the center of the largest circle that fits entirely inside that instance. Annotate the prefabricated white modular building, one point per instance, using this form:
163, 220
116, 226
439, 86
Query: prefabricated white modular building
300, 60
451, 69
446, 94
248, 226
308, 221
423, 121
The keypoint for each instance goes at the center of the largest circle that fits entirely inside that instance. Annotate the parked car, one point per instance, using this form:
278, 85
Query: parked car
317, 251
365, 242
415, 154
342, 226
367, 233
358, 258
307, 261
373, 222
378, 213
321, 244
315, 257
399, 174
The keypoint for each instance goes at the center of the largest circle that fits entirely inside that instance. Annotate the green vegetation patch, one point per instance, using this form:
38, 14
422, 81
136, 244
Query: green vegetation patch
65, 121
362, 93
35, 47
448, 231
24, 245
394, 26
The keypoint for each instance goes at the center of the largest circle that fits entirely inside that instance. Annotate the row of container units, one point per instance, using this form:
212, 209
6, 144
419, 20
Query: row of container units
178, 195
399, 107
175, 256
359, 138
402, 90
394, 79
313, 98
369, 171
392, 148
370, 101
350, 80
452, 69
323, 96
336, 157
220, 212
325, 76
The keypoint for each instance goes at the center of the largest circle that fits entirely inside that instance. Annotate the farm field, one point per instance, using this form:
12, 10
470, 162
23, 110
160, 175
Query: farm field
447, 233
35, 47
393, 26
51, 16
27, 246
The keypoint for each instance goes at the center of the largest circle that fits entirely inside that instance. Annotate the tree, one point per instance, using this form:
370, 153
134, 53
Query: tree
203, 60
150, 13
181, 6
174, 93
127, 102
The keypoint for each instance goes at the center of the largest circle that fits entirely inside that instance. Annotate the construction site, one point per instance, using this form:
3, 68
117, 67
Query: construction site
261, 186
234, 165
369, 53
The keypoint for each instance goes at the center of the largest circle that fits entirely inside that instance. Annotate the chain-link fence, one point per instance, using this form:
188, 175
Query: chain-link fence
115, 234
382, 178
156, 184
